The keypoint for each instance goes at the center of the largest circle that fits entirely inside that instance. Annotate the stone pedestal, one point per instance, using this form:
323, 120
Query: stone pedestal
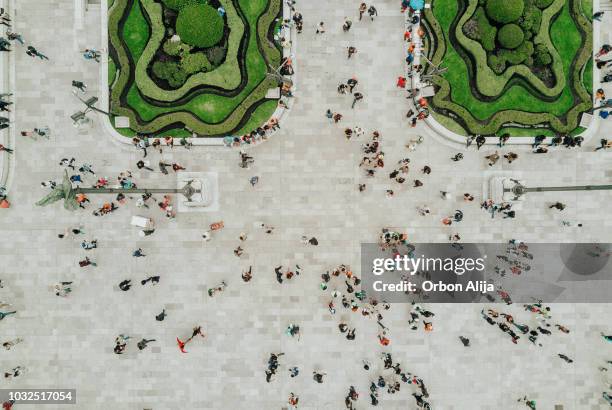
206, 200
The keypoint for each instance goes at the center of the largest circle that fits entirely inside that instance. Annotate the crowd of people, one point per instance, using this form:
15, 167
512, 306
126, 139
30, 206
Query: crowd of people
349, 306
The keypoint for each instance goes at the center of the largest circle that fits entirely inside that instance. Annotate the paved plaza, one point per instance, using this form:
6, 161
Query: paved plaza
308, 178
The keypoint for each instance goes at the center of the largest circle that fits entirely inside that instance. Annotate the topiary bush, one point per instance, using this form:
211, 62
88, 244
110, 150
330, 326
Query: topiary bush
200, 25
532, 18
510, 36
504, 11
170, 71
195, 62
178, 4
541, 55
486, 30
175, 48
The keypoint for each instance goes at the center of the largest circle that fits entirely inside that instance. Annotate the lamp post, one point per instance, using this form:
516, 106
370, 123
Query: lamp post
276, 75
187, 191
518, 190
66, 192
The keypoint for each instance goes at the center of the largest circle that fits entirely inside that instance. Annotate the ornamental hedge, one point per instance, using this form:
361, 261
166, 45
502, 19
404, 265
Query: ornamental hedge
504, 11
225, 83
538, 85
510, 36
199, 25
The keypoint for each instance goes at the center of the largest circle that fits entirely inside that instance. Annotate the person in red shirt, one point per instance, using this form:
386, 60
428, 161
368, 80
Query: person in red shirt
401, 82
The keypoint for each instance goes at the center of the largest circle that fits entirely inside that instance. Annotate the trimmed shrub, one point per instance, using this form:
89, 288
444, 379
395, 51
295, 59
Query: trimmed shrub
542, 4
175, 48
518, 55
510, 36
200, 25
215, 55
170, 71
486, 30
504, 11
178, 4
471, 29
532, 19
541, 55
195, 62
496, 63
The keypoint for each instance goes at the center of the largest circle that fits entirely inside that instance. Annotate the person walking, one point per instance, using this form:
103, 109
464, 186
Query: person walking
356, 97
351, 51
362, 9
161, 316
604, 144
141, 164
79, 85
143, 343
493, 158
8, 150
5, 314
347, 25
320, 28
372, 12
480, 141
92, 54
352, 83
14, 36
32, 52
558, 206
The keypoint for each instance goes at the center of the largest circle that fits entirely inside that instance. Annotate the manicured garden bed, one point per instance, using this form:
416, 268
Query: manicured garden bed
195, 64
511, 62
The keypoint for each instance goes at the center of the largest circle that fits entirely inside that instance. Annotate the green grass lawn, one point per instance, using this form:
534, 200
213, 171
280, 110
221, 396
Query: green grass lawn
261, 114
112, 71
516, 97
136, 31
209, 108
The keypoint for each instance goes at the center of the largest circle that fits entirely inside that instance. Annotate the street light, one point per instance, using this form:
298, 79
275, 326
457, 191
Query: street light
519, 190
276, 75
66, 192
90, 104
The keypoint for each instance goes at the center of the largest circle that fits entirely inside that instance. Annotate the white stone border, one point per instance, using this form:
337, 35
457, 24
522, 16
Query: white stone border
442, 131
280, 114
7, 84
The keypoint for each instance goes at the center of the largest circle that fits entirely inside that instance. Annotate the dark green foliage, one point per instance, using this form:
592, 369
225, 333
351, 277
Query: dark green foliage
171, 72
195, 62
518, 55
532, 18
215, 55
178, 4
175, 48
478, 28
541, 55
497, 64
200, 25
504, 11
510, 36
471, 29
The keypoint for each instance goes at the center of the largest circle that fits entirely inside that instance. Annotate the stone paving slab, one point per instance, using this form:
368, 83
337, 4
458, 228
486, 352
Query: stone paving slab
308, 186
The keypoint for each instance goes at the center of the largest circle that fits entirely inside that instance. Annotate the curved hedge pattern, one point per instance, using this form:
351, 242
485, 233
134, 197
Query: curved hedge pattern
490, 84
214, 103
199, 25
227, 76
443, 103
